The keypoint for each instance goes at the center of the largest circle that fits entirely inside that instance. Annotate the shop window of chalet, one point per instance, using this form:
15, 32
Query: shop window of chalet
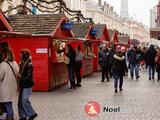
88, 50
60, 48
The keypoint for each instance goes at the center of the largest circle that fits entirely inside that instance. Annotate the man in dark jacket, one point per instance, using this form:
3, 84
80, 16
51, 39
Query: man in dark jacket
111, 61
71, 54
103, 59
133, 61
150, 56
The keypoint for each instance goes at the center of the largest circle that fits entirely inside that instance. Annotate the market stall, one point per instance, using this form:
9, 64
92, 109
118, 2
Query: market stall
102, 38
113, 37
124, 42
45, 36
86, 34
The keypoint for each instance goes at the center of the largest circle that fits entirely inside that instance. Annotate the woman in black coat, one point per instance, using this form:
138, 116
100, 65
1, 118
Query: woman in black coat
119, 70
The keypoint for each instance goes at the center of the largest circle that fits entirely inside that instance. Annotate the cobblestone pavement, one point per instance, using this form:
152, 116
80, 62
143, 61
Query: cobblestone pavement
140, 100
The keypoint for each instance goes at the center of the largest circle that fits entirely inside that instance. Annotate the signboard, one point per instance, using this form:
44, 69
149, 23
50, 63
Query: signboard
67, 25
42, 50
93, 32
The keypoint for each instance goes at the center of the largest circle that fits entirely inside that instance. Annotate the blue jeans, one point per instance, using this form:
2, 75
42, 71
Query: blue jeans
24, 105
9, 109
71, 72
118, 77
134, 67
151, 71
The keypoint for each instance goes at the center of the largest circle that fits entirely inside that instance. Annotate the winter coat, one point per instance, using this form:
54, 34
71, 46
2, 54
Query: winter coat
26, 80
111, 57
150, 56
72, 58
119, 65
8, 82
132, 56
103, 58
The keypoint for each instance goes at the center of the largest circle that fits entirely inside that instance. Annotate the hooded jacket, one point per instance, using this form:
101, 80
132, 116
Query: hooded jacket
150, 56
119, 65
103, 58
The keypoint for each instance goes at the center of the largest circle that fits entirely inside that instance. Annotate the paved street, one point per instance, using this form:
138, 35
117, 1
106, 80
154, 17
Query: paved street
140, 100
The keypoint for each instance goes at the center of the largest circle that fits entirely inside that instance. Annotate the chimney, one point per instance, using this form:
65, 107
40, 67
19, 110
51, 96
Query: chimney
111, 8
100, 2
105, 3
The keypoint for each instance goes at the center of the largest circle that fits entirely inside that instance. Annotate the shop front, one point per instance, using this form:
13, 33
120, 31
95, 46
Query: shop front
113, 38
83, 32
102, 38
124, 42
46, 37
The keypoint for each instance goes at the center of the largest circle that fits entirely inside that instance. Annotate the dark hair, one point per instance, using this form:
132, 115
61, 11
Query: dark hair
79, 47
119, 53
25, 54
70, 47
4, 45
135, 47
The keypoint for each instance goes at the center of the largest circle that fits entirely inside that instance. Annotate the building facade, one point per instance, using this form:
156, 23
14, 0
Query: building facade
153, 17
139, 31
105, 14
76, 5
155, 24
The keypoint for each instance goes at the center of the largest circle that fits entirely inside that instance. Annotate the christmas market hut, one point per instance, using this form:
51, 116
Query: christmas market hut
45, 35
102, 38
85, 32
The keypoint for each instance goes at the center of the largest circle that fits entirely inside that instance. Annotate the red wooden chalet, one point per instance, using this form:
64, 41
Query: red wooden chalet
45, 36
113, 37
83, 32
102, 38
124, 42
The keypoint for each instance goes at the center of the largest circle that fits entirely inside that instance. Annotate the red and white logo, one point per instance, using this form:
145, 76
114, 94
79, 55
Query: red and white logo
92, 108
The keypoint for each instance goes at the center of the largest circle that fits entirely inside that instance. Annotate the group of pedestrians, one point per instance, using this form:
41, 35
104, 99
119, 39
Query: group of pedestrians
74, 65
14, 77
114, 65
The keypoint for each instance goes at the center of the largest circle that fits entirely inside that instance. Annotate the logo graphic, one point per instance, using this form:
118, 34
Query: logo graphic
92, 108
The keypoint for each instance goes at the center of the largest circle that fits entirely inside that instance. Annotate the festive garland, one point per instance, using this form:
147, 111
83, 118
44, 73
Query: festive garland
56, 5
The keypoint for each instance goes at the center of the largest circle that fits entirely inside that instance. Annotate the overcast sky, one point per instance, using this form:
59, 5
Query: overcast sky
138, 9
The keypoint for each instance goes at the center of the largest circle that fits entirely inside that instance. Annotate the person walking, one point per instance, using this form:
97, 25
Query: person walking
111, 60
71, 54
78, 65
103, 58
3, 45
150, 56
133, 62
119, 70
26, 83
8, 79
157, 61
